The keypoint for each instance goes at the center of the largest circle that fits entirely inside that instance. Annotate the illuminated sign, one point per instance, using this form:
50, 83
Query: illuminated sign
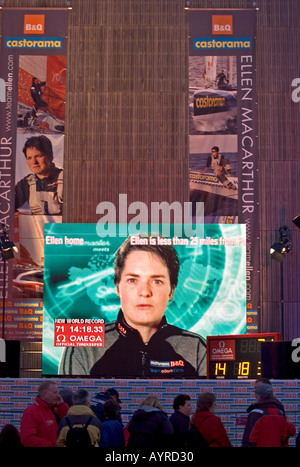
91, 316
236, 357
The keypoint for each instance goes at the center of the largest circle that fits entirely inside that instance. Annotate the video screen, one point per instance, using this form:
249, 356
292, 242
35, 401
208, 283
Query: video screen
139, 304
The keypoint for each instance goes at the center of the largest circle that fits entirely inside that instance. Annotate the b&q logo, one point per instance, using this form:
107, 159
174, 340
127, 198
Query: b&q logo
222, 24
34, 24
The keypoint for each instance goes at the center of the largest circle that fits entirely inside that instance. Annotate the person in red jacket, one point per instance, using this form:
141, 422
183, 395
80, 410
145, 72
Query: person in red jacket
39, 423
208, 424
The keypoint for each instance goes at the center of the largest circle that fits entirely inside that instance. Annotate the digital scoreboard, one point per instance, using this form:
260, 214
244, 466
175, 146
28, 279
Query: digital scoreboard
236, 356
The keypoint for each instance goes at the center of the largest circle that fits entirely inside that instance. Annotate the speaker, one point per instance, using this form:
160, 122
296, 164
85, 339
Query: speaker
11, 367
280, 360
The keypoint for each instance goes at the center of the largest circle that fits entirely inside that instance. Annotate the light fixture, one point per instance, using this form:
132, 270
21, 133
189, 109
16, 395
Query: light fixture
279, 249
296, 221
7, 247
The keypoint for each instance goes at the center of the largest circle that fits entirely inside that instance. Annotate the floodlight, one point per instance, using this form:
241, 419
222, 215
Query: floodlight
279, 249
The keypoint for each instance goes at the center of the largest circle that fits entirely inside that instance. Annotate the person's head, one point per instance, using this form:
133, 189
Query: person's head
182, 403
215, 151
145, 277
48, 392
67, 395
81, 397
39, 155
206, 402
263, 391
259, 381
151, 401
10, 436
111, 409
113, 393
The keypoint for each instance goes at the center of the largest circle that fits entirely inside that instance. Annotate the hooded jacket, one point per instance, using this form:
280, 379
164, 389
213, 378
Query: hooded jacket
171, 353
272, 430
39, 423
149, 427
256, 411
211, 428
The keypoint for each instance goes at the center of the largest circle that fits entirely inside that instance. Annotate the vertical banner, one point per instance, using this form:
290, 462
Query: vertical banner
223, 128
32, 114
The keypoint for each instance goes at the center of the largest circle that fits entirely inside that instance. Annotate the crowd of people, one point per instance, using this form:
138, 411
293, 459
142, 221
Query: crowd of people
69, 418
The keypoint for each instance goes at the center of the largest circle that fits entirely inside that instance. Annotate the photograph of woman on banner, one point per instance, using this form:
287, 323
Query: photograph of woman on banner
141, 343
42, 189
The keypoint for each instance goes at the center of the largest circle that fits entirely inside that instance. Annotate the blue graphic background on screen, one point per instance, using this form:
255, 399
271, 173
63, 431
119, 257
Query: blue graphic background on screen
210, 297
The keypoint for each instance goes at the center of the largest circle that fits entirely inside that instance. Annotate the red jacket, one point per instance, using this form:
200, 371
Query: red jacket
39, 425
272, 431
211, 428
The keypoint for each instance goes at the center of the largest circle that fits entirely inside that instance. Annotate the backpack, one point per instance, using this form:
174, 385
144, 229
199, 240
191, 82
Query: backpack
78, 436
194, 439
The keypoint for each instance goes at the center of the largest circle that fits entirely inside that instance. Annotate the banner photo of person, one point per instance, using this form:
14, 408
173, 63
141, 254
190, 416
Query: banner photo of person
223, 127
33, 65
139, 304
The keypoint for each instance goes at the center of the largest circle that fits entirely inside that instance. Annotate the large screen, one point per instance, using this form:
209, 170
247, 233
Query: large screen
139, 305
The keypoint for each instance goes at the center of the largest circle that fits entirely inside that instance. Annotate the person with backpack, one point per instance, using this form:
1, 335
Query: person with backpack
80, 427
208, 424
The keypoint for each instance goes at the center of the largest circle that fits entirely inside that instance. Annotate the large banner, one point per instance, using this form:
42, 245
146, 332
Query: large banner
140, 305
223, 128
32, 114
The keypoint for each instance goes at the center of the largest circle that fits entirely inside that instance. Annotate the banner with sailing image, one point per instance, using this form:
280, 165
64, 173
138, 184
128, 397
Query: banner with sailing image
32, 112
223, 127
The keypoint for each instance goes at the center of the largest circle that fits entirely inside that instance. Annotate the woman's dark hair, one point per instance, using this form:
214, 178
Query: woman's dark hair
111, 409
180, 400
166, 253
41, 143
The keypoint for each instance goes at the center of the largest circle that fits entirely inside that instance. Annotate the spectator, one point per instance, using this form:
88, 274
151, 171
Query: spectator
298, 440
150, 426
266, 404
39, 423
208, 424
67, 396
78, 415
180, 419
259, 381
97, 402
112, 430
10, 437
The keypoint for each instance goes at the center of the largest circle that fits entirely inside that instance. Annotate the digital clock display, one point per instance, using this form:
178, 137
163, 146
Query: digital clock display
236, 356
